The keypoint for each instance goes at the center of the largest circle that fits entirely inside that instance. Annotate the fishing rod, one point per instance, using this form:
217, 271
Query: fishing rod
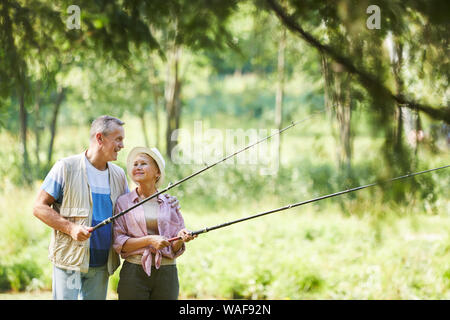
226, 224
170, 186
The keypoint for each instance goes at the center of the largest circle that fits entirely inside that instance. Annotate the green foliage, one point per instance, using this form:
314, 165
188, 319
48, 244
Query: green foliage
24, 241
20, 276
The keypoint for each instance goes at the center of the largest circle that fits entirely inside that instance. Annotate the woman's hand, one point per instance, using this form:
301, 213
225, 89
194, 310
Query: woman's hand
173, 201
186, 235
158, 242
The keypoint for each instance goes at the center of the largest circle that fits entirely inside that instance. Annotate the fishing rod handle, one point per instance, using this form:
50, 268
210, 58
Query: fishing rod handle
101, 224
193, 233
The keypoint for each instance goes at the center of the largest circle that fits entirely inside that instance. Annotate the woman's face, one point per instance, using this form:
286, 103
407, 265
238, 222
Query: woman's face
145, 169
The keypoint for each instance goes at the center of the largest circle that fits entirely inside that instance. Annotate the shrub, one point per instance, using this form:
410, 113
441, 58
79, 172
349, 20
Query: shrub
20, 276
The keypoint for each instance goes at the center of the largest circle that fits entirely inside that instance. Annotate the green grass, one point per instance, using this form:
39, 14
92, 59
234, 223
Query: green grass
41, 295
307, 254
304, 253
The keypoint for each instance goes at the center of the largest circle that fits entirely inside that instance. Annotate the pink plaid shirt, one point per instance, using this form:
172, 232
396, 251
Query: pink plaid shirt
132, 225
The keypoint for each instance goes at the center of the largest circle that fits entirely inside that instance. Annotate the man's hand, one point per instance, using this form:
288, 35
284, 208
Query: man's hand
80, 233
173, 201
43, 210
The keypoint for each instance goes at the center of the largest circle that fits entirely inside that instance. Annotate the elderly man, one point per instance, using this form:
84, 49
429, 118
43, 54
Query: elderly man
79, 192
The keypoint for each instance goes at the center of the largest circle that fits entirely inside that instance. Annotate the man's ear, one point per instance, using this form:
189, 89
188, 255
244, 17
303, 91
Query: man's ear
99, 138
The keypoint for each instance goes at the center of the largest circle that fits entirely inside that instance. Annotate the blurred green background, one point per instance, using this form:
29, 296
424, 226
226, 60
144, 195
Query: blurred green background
161, 66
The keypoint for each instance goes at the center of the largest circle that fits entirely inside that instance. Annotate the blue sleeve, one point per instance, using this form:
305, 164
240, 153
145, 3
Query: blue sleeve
127, 190
54, 182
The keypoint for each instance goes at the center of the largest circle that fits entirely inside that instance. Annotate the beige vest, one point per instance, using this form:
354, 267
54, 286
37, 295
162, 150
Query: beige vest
76, 207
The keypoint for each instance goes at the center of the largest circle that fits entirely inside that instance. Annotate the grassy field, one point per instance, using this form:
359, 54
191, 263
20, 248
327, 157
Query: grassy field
305, 253
41, 295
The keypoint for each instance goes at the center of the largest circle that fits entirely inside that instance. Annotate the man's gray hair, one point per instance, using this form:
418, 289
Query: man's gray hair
104, 125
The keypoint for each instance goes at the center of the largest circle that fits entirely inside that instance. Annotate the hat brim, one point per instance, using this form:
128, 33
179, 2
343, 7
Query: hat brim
138, 150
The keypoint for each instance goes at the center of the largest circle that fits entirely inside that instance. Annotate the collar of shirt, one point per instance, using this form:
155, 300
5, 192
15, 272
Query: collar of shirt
135, 197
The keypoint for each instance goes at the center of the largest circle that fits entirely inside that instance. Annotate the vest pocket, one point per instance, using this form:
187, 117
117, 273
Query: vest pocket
68, 251
74, 212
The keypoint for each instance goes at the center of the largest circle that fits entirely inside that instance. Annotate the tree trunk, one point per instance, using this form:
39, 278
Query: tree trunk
156, 114
343, 116
23, 138
329, 94
156, 95
397, 63
338, 102
173, 105
37, 124
408, 121
59, 99
141, 114
280, 85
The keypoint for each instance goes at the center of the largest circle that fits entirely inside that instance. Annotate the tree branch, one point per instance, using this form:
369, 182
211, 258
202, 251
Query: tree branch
441, 113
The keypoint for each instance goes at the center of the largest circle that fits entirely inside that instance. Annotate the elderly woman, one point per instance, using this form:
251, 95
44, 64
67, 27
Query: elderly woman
140, 236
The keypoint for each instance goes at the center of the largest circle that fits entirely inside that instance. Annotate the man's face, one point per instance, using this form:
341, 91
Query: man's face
112, 143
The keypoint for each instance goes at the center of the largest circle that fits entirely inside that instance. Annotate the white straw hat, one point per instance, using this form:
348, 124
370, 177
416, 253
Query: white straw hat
152, 152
